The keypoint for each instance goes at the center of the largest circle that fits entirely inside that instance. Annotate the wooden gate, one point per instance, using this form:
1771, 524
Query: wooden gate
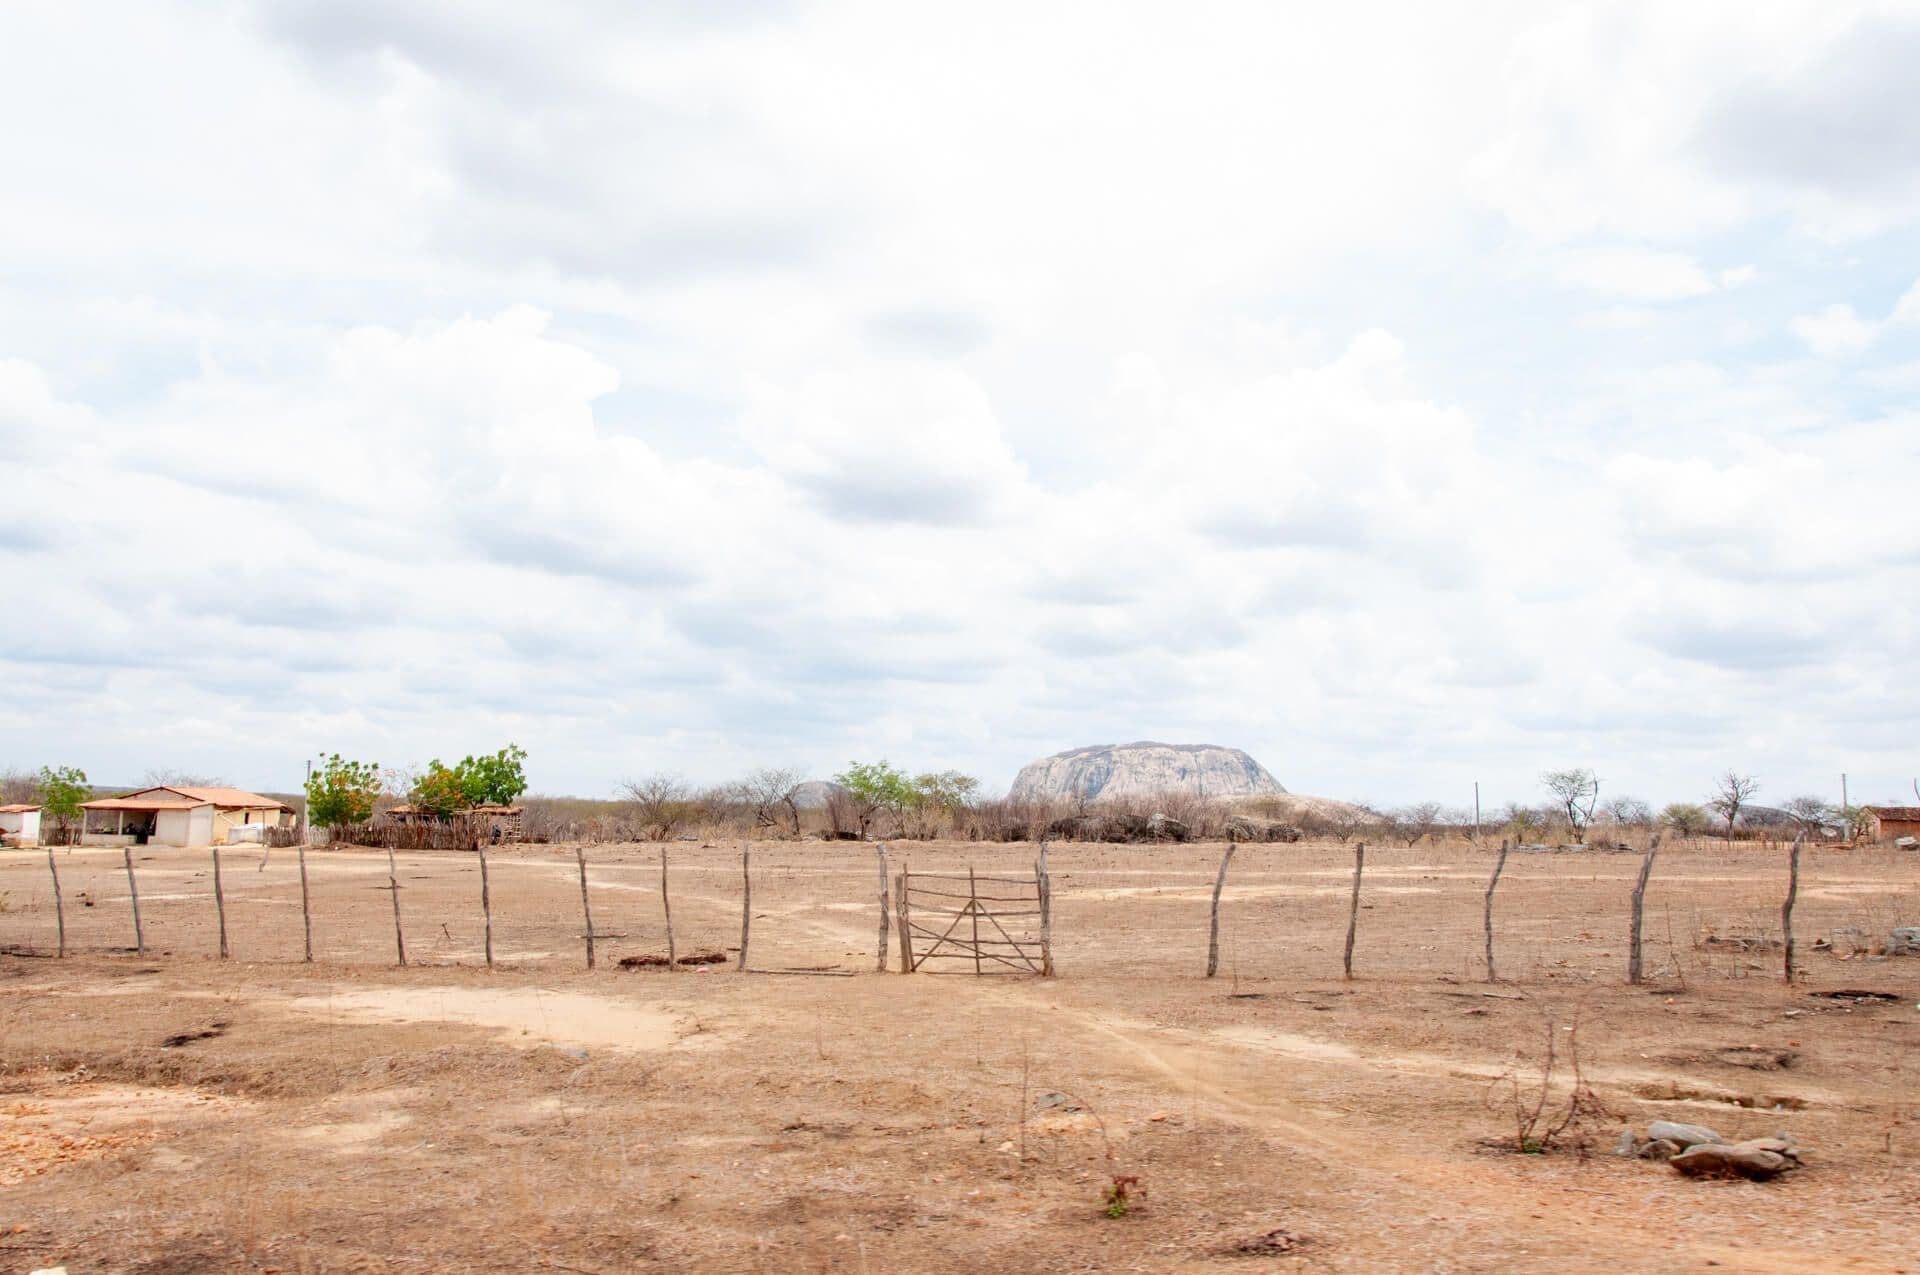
946, 917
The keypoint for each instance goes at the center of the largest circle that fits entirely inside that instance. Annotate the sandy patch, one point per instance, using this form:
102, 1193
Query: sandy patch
524, 1016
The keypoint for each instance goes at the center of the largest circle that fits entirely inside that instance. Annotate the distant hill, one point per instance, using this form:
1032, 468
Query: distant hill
1143, 769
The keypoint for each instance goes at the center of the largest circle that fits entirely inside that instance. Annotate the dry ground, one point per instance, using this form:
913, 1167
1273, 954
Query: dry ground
176, 1113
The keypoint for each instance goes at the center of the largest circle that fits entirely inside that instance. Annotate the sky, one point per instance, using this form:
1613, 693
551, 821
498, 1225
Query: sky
1410, 394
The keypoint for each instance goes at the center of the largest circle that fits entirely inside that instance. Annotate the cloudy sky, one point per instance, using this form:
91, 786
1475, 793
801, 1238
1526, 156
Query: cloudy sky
1409, 394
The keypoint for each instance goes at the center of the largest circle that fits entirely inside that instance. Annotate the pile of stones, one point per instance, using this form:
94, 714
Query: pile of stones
1698, 1152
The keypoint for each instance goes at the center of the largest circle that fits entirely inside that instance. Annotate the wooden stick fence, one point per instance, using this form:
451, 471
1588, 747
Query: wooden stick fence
990, 924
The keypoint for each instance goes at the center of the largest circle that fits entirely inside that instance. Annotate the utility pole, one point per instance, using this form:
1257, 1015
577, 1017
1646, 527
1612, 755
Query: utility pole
1476, 810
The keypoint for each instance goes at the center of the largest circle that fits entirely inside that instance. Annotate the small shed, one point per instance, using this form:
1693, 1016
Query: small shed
170, 816
20, 824
1890, 823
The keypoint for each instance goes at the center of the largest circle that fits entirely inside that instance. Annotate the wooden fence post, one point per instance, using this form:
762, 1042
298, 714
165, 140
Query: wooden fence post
1213, 924
486, 906
1786, 909
133, 893
219, 901
59, 908
1634, 968
306, 903
973, 910
886, 905
905, 921
586, 905
1499, 866
746, 902
1353, 907
666, 907
393, 881
1045, 881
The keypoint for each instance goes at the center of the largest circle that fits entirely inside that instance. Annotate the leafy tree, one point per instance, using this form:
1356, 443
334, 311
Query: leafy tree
1685, 818
1731, 792
60, 790
875, 787
439, 791
493, 779
946, 790
1574, 794
1522, 821
342, 792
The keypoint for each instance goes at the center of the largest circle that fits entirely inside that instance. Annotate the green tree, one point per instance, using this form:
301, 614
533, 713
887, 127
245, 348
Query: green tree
875, 787
60, 790
1686, 818
342, 792
438, 791
946, 790
493, 779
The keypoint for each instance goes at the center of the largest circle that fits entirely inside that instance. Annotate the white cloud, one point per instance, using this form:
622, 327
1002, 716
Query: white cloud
1836, 332
1637, 273
797, 382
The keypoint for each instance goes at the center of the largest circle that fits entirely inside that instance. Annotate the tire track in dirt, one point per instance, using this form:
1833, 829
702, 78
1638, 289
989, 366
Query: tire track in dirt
1424, 1179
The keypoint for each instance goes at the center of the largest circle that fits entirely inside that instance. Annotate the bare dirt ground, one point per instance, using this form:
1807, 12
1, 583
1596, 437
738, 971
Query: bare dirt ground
177, 1113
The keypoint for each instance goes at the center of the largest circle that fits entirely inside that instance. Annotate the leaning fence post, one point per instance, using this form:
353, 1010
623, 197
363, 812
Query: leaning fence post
666, 907
886, 905
586, 905
1213, 925
1499, 866
1353, 907
306, 904
59, 909
486, 906
219, 901
1793, 889
133, 893
1639, 903
746, 902
393, 881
